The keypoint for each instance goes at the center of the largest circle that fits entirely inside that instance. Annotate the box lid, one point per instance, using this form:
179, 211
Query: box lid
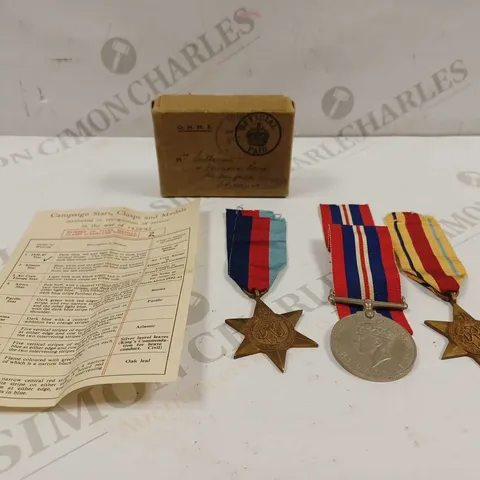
223, 103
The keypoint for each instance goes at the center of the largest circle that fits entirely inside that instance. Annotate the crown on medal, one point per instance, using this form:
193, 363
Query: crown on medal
258, 136
375, 330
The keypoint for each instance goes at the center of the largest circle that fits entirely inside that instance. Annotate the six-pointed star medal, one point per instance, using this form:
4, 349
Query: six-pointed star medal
269, 333
463, 334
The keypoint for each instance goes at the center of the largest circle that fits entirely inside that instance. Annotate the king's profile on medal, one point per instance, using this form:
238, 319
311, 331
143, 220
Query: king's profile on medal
372, 339
374, 342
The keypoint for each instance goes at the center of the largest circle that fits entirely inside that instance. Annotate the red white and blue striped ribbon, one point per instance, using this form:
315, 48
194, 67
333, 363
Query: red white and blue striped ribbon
344, 215
363, 263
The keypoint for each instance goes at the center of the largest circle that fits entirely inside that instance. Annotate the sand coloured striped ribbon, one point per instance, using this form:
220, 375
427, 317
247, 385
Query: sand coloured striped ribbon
424, 252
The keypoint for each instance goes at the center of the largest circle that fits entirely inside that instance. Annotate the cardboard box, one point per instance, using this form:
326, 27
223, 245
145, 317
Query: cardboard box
223, 145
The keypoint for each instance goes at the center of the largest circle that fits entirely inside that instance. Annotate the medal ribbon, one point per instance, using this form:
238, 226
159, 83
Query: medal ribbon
363, 262
344, 215
256, 248
425, 254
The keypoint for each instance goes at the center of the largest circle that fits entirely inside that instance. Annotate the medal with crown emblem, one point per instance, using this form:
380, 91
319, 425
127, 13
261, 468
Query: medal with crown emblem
256, 249
427, 257
373, 339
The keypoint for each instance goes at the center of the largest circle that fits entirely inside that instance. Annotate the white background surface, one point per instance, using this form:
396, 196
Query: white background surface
242, 419
53, 75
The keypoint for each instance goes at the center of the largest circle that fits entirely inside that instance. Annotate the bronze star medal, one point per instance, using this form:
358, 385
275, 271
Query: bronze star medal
463, 334
269, 333
425, 254
257, 252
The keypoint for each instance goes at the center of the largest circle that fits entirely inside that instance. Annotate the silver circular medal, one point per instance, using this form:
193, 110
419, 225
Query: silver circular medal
375, 349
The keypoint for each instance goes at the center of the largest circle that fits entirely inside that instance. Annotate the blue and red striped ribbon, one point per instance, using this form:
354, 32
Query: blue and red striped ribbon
363, 261
256, 248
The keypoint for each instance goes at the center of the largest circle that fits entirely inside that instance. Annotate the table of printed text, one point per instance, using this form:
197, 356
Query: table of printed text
77, 308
